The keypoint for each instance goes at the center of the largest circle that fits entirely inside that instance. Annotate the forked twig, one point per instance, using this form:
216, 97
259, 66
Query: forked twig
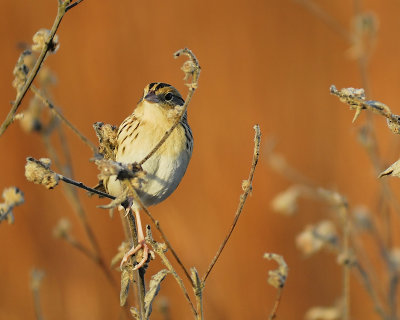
247, 187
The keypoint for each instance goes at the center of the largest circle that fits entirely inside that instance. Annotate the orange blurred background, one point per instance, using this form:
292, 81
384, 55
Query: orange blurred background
265, 62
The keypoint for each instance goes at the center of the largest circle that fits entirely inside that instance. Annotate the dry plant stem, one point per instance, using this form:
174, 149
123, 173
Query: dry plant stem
82, 186
78, 208
371, 291
346, 266
326, 18
274, 310
192, 88
140, 283
80, 247
55, 110
62, 9
243, 197
198, 291
171, 269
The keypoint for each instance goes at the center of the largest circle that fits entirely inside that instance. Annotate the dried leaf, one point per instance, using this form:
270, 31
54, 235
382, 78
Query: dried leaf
125, 281
277, 277
154, 287
124, 247
393, 170
197, 283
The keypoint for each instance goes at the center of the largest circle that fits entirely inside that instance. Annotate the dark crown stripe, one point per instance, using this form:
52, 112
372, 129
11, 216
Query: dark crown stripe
161, 85
151, 85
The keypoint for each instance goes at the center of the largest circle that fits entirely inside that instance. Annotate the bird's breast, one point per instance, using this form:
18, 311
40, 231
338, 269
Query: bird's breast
164, 170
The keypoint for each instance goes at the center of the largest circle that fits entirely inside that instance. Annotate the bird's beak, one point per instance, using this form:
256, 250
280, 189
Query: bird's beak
152, 97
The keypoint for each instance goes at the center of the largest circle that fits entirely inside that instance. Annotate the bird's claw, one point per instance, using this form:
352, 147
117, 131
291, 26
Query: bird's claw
134, 250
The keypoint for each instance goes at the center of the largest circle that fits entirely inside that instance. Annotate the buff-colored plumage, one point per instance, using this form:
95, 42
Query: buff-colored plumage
141, 131
138, 134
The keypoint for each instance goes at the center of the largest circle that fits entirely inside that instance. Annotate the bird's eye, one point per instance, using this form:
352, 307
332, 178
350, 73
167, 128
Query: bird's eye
168, 96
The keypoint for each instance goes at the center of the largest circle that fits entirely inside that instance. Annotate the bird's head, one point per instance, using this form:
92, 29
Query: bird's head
163, 94
160, 100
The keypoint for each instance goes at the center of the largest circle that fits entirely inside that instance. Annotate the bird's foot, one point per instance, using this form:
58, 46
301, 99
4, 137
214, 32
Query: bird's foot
142, 245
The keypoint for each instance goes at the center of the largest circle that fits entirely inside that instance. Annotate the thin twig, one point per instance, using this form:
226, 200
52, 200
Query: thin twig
140, 283
274, 310
347, 264
33, 73
159, 249
72, 5
80, 247
243, 197
195, 73
326, 18
83, 186
370, 290
57, 112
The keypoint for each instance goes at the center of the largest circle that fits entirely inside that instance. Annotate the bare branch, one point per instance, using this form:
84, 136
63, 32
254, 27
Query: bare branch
247, 187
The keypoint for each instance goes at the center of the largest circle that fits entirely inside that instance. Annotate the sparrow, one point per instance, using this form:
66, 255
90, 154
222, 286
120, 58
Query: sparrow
156, 112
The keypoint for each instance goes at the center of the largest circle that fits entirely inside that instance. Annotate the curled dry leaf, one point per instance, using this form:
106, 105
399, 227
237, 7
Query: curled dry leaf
277, 278
393, 170
154, 288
